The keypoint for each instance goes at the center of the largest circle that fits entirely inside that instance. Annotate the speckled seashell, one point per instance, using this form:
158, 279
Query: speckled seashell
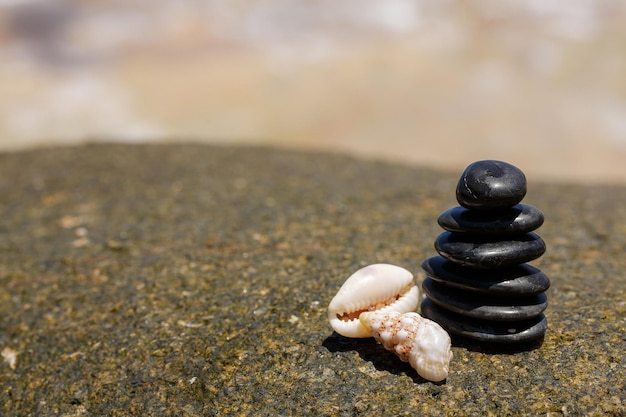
380, 287
415, 339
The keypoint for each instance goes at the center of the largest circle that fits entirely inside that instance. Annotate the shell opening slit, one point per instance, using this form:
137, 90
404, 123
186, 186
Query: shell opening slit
379, 305
378, 287
380, 301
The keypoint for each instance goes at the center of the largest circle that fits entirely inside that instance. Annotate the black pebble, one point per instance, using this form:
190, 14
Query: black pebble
520, 218
517, 280
488, 185
485, 330
489, 251
480, 287
484, 306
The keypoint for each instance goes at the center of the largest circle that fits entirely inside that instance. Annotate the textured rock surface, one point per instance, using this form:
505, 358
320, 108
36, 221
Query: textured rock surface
190, 280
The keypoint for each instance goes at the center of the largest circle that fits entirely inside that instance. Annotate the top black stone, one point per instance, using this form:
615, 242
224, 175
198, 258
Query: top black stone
488, 185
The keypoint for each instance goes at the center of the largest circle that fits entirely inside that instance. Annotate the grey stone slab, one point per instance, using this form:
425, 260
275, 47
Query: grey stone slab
188, 279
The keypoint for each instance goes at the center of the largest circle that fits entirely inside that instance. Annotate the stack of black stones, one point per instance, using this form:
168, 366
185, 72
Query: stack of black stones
481, 287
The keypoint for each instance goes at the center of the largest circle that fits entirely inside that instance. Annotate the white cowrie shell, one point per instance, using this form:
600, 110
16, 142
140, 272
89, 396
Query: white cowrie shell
378, 287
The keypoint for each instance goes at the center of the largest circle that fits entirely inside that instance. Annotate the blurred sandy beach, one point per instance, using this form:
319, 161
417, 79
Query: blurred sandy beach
540, 84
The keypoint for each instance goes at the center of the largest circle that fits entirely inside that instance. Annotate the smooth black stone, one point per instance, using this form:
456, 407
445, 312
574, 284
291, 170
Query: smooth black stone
487, 185
482, 306
520, 218
484, 330
489, 251
513, 281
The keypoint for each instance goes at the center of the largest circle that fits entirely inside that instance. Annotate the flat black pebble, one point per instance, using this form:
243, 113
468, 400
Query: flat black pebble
485, 307
485, 330
488, 185
517, 280
520, 218
489, 251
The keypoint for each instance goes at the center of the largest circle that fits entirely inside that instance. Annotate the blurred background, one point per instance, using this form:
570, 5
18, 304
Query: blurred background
440, 83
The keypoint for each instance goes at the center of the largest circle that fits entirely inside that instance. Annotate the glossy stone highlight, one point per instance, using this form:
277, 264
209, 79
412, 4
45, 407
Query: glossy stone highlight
520, 218
483, 306
480, 286
481, 251
485, 330
514, 281
489, 184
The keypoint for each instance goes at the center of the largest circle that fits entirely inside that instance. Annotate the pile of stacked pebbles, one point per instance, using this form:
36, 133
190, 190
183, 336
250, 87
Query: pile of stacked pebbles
480, 287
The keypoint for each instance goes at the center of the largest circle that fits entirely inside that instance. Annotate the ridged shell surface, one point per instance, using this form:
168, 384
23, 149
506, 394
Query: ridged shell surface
377, 287
415, 339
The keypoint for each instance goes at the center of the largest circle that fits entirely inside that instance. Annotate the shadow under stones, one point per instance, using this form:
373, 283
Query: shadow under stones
371, 351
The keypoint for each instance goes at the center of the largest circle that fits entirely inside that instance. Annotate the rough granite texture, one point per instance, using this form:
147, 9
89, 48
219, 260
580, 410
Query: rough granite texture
193, 281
